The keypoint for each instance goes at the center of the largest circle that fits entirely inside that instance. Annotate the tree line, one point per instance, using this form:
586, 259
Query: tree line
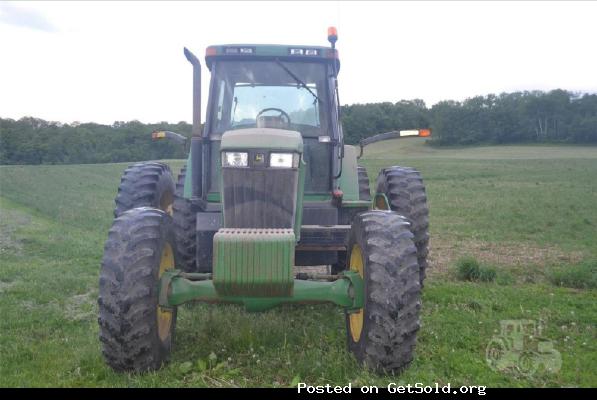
557, 116
36, 141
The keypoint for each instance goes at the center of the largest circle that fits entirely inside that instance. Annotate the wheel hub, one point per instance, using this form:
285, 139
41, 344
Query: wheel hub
164, 315
356, 318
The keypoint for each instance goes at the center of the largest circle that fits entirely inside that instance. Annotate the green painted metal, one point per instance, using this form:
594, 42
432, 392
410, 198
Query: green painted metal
214, 172
262, 138
317, 197
253, 262
356, 291
188, 179
298, 216
349, 180
214, 197
347, 292
356, 204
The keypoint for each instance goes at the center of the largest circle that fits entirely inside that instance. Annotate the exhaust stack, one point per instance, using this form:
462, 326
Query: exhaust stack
196, 91
196, 147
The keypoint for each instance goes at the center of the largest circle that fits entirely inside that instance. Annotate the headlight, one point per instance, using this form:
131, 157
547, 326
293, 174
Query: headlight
283, 160
235, 159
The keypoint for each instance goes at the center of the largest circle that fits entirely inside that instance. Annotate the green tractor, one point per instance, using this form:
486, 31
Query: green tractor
269, 188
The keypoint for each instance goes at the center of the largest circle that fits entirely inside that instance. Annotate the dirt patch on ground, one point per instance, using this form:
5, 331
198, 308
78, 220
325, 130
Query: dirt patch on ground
29, 305
5, 286
81, 307
443, 254
10, 221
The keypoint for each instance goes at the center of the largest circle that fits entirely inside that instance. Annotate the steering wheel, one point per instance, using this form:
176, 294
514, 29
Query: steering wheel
282, 113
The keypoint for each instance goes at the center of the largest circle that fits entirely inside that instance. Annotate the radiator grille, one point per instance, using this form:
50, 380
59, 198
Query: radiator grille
259, 198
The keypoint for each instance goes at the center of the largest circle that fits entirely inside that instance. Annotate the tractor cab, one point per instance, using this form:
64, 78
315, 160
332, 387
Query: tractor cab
259, 88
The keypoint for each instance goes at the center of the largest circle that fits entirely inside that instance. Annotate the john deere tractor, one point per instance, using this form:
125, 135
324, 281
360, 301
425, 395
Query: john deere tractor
269, 187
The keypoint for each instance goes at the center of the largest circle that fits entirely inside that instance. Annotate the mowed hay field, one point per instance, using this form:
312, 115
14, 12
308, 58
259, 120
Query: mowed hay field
529, 213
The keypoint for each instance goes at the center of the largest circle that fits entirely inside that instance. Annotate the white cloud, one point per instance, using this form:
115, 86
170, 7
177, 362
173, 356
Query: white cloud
25, 18
123, 60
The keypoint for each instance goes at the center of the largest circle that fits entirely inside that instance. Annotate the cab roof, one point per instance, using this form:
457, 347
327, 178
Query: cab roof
286, 52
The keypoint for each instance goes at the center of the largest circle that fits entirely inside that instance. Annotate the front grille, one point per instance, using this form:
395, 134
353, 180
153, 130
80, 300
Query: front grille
260, 197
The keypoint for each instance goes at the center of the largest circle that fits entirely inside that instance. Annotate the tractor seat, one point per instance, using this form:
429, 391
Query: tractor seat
271, 121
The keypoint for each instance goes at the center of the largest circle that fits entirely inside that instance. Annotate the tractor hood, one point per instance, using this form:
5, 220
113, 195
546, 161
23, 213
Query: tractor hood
262, 138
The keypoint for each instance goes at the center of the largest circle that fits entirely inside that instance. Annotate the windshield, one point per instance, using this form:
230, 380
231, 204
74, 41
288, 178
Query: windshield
270, 94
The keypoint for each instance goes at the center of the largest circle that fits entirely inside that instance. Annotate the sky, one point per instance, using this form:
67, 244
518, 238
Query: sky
120, 61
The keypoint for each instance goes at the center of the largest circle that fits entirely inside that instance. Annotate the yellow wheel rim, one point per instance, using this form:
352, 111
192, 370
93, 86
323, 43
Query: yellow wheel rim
356, 319
164, 315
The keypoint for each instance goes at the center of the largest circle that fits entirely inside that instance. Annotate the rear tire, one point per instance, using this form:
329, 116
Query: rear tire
405, 191
184, 226
382, 335
145, 184
136, 333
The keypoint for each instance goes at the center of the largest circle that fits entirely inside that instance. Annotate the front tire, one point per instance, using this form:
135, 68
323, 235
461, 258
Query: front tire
382, 335
136, 333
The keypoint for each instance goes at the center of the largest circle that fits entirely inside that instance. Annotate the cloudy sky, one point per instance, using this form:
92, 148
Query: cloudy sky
109, 61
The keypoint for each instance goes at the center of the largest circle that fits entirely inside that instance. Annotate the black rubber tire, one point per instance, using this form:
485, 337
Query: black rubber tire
145, 184
184, 218
392, 291
405, 190
364, 190
128, 291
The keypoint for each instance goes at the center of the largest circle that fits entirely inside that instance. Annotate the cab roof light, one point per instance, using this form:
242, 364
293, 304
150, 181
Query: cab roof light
212, 50
303, 52
332, 35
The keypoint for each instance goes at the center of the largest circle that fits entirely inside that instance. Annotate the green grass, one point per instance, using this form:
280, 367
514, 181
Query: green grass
469, 269
526, 211
580, 276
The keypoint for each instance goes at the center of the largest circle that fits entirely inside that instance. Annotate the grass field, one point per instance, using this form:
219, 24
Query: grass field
528, 212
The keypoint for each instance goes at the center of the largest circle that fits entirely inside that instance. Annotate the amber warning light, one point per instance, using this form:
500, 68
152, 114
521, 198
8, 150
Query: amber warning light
158, 135
332, 35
